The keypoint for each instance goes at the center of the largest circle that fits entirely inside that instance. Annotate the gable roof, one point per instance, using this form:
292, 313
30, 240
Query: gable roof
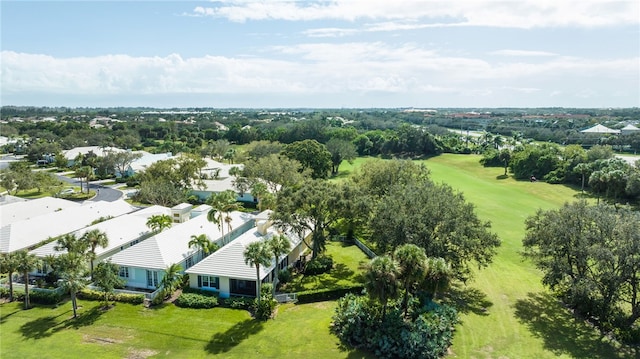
98, 150
29, 232
172, 245
120, 231
630, 127
229, 261
19, 211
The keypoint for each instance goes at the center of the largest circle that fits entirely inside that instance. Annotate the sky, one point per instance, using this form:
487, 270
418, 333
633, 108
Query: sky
320, 54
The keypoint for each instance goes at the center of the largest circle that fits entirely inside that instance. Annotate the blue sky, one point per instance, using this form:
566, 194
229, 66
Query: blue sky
359, 53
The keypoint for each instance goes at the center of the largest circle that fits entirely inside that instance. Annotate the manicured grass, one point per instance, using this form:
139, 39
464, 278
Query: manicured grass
132, 331
505, 311
346, 272
508, 312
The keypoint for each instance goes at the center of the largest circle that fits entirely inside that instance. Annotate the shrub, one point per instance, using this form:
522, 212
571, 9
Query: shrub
88, 294
239, 302
285, 276
319, 295
263, 309
35, 296
358, 323
318, 265
194, 300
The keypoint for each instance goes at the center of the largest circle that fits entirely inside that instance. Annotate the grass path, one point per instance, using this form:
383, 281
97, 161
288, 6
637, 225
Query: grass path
514, 316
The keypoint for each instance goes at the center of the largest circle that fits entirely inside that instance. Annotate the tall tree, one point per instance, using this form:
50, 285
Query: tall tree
278, 245
26, 263
107, 279
122, 161
437, 219
412, 268
204, 244
84, 172
95, 238
259, 190
9, 264
590, 255
257, 254
381, 280
340, 150
223, 203
312, 155
310, 207
159, 222
438, 276
72, 266
276, 171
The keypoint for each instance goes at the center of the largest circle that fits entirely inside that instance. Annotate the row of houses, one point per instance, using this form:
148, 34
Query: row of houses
143, 255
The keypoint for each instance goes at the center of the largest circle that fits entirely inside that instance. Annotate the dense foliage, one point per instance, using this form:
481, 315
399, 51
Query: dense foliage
357, 322
590, 256
196, 300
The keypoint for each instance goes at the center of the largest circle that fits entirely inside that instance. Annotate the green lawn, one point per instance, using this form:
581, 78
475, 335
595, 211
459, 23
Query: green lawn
346, 271
505, 311
132, 331
509, 313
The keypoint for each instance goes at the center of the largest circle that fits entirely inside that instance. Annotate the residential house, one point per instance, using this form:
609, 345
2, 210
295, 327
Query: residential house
31, 232
122, 232
226, 271
142, 266
26, 209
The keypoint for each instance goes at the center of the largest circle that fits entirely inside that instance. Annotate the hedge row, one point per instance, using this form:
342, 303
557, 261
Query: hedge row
319, 295
197, 301
40, 297
89, 294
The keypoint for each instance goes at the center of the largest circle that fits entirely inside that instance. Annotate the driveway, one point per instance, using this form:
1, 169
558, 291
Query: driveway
103, 193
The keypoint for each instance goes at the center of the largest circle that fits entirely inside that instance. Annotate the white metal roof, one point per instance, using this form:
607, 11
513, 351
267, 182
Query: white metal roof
229, 261
30, 232
119, 230
172, 245
98, 150
19, 211
599, 129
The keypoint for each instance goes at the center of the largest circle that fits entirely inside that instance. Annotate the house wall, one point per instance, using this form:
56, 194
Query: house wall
223, 291
204, 195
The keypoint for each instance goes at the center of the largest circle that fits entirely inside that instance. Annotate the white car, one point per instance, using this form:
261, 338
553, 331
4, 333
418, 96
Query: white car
66, 191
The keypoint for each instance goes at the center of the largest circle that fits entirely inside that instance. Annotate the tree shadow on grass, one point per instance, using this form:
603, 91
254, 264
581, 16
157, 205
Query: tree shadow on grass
223, 342
562, 332
467, 300
5, 316
47, 326
39, 328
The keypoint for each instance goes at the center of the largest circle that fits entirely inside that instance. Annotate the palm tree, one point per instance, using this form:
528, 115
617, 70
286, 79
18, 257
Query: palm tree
9, 264
258, 190
279, 245
95, 238
84, 172
412, 265
381, 280
223, 203
201, 242
171, 279
215, 216
257, 254
72, 265
72, 244
159, 222
438, 275
26, 263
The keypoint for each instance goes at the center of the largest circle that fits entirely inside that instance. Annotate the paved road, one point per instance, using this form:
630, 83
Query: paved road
103, 193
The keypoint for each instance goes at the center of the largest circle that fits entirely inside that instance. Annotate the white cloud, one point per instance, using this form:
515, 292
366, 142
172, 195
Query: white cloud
338, 71
522, 53
492, 13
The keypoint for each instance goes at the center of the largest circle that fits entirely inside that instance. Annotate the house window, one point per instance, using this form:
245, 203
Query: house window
205, 281
124, 272
188, 262
152, 278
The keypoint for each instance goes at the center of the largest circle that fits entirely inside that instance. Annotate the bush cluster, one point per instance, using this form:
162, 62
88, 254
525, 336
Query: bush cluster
319, 295
196, 301
88, 294
40, 297
318, 265
239, 302
359, 324
285, 276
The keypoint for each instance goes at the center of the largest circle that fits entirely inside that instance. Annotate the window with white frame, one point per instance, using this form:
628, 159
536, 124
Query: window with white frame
124, 272
205, 281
